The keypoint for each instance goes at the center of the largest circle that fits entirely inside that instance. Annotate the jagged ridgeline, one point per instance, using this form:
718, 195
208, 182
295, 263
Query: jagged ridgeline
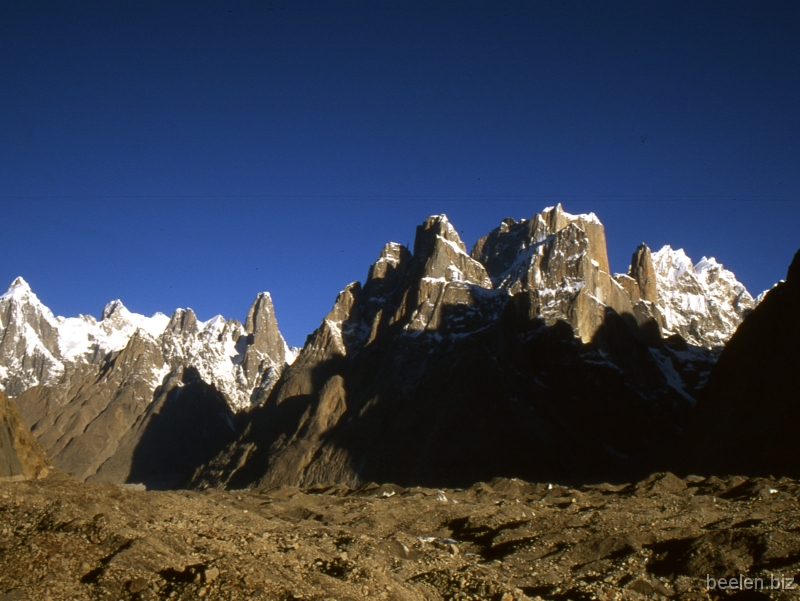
525, 358
133, 398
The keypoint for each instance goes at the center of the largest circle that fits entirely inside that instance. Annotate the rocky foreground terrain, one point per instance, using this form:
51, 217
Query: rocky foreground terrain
664, 537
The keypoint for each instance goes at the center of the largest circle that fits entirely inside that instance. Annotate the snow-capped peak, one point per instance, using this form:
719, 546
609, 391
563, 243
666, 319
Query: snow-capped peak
588, 217
707, 263
672, 264
79, 337
38, 348
18, 287
28, 330
115, 307
702, 302
20, 293
215, 324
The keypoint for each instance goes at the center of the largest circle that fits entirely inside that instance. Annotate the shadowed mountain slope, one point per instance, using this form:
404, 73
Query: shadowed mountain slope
749, 412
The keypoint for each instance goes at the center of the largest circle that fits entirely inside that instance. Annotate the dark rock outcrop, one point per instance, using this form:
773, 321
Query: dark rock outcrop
645, 275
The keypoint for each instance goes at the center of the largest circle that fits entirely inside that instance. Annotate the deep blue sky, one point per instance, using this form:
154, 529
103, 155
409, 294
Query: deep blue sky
195, 153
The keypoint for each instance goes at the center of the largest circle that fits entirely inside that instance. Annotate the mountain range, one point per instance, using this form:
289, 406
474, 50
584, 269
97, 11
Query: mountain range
525, 357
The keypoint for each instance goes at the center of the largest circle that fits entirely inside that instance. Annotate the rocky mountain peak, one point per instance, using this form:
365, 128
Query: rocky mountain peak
557, 219
20, 299
559, 263
28, 340
438, 247
393, 259
526, 340
262, 326
266, 350
514, 253
340, 331
37, 348
529, 334
643, 272
183, 323
435, 226
18, 287
114, 308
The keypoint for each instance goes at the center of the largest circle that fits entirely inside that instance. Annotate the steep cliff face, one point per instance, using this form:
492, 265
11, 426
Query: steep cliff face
525, 358
560, 262
21, 455
748, 413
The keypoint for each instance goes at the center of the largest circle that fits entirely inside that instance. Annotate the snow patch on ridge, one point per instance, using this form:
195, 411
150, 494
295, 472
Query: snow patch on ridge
588, 217
83, 335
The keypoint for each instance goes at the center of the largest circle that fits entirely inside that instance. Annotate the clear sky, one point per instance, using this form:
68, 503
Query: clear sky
177, 154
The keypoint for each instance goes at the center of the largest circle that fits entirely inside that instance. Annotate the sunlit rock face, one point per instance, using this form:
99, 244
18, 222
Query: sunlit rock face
525, 358
21, 455
560, 262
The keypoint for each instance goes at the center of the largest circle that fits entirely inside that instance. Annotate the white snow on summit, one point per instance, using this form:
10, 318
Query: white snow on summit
588, 217
83, 335
37, 348
19, 292
703, 302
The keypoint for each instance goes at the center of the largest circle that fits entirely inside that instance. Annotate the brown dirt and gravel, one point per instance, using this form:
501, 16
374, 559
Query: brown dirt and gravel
502, 541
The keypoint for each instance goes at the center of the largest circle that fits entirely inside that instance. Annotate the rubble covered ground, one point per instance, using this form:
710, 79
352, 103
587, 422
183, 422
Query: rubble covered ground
506, 540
